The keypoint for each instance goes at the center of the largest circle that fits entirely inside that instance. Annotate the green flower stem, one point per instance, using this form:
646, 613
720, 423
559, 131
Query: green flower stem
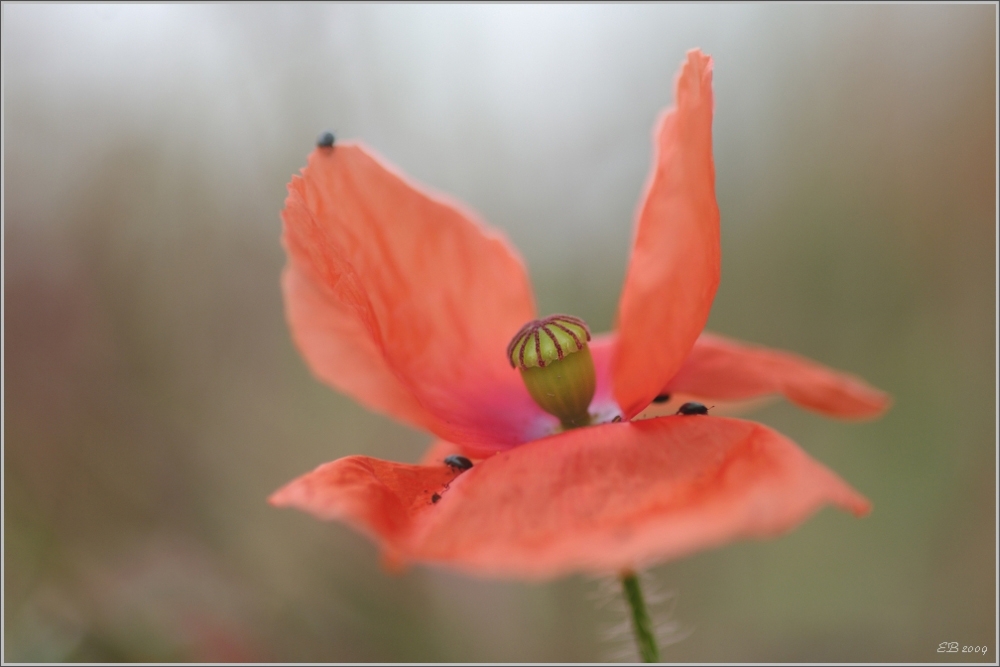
641, 624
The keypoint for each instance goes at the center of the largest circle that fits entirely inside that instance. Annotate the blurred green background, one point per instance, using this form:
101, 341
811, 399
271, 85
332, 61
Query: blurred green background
154, 399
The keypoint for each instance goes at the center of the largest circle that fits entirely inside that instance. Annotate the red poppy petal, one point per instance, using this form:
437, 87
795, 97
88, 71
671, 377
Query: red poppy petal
378, 498
719, 368
674, 269
405, 301
341, 353
599, 499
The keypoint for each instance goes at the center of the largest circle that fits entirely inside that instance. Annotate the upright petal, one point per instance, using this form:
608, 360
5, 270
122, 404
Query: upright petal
405, 301
724, 369
674, 269
596, 500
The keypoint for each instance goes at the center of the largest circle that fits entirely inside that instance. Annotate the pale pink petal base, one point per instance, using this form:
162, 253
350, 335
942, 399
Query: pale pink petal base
596, 500
602, 350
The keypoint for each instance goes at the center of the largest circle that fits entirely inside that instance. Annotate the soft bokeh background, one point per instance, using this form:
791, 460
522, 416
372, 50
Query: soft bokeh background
153, 398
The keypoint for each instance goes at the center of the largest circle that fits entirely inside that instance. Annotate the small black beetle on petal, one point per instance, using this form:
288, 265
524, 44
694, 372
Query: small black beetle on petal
325, 140
458, 462
436, 497
662, 398
693, 409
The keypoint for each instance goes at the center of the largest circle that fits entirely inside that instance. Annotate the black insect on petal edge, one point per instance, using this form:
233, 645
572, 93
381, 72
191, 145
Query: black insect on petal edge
457, 462
692, 409
326, 140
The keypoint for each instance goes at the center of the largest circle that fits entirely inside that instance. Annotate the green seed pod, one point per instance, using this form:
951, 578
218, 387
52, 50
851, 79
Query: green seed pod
556, 366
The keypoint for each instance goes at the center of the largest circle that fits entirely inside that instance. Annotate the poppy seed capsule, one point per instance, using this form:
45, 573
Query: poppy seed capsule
556, 366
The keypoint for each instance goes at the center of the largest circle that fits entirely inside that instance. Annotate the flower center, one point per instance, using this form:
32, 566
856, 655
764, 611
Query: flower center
556, 366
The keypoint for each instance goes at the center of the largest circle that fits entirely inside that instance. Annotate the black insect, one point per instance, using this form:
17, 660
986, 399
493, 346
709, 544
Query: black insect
617, 419
693, 409
457, 462
662, 398
326, 140
436, 497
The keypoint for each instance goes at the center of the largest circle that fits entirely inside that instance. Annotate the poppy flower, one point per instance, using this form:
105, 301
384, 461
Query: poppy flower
407, 302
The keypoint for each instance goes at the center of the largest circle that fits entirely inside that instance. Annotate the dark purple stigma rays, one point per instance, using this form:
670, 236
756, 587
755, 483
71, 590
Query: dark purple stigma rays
532, 331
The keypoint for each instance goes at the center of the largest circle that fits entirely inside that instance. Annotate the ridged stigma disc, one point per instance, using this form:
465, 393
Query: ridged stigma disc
541, 342
556, 366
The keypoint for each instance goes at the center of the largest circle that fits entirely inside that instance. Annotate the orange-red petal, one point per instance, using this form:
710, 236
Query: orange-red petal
405, 301
674, 269
598, 499
722, 369
378, 498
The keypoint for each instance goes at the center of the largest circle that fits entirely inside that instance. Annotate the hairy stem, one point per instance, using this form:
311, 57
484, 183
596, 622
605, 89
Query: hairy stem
641, 624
